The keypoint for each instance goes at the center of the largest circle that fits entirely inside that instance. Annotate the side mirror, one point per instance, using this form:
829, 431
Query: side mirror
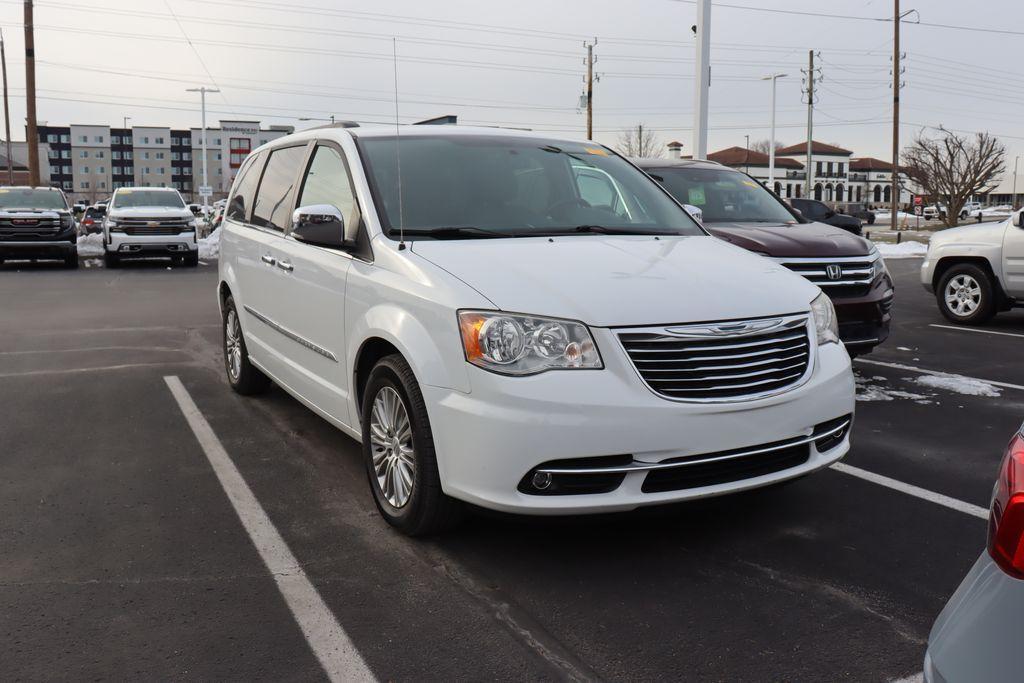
321, 225
695, 213
1018, 220
797, 211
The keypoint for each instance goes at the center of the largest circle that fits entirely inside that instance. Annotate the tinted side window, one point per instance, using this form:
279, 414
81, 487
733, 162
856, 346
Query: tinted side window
245, 189
273, 200
327, 182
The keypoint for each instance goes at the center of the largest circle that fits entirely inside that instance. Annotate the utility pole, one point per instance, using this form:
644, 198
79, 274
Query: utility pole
124, 120
1013, 197
771, 143
590, 89
30, 96
703, 80
894, 207
204, 190
809, 170
7, 113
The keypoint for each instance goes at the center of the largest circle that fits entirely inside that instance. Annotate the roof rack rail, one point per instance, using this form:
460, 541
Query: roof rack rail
336, 124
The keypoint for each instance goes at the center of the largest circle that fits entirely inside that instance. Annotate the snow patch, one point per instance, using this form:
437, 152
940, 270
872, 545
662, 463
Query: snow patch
958, 384
866, 391
209, 247
902, 250
91, 245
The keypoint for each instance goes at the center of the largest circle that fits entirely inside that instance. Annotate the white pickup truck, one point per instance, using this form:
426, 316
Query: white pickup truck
938, 211
976, 271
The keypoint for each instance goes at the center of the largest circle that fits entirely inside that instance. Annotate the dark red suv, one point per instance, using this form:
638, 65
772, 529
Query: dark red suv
738, 209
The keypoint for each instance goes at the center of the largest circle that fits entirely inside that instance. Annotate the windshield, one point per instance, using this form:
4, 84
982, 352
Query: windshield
31, 198
135, 198
723, 195
506, 186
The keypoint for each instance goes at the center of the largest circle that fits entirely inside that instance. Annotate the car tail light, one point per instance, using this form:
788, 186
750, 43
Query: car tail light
88, 221
1006, 520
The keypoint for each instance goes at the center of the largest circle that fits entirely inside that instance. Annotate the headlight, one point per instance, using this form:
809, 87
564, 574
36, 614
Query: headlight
878, 265
525, 345
824, 314
194, 223
110, 224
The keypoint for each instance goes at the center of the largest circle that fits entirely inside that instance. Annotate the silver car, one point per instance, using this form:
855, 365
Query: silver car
978, 635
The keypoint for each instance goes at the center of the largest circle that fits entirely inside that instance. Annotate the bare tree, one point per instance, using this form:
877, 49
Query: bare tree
763, 146
640, 143
953, 168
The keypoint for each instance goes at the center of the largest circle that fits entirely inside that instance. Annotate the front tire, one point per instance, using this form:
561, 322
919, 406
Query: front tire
243, 376
966, 295
192, 259
398, 449
71, 259
111, 260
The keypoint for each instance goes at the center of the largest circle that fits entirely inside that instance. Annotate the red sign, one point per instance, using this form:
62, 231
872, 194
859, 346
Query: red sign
918, 201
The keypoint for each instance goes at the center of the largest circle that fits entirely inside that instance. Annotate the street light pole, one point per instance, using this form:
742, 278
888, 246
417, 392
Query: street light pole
1013, 197
203, 190
771, 143
703, 80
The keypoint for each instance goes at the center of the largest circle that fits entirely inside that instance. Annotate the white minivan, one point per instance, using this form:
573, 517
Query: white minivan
522, 323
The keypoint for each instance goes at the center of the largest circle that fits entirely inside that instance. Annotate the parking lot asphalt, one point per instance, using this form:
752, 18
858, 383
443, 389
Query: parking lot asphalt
123, 557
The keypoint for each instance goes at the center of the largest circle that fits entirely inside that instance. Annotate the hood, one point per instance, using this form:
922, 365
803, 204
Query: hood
34, 213
622, 280
791, 239
150, 212
980, 233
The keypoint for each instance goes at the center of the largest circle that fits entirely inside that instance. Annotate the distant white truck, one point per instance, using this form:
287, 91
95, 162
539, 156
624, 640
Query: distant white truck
147, 222
938, 211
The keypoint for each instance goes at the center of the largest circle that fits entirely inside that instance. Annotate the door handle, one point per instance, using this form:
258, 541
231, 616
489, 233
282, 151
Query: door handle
269, 260
285, 266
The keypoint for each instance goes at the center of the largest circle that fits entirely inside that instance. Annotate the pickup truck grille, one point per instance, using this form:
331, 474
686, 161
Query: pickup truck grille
840, 276
723, 361
153, 226
27, 227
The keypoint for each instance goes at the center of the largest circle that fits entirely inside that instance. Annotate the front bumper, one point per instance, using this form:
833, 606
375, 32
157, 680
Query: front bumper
977, 636
491, 440
151, 245
38, 249
865, 320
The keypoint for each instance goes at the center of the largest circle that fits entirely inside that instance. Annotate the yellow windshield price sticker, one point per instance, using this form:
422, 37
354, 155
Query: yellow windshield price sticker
4, 190
595, 150
750, 183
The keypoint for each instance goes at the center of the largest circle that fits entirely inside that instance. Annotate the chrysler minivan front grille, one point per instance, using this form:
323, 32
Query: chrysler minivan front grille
727, 361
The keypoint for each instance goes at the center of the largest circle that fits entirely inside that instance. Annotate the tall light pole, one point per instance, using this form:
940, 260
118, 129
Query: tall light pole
703, 80
32, 133
771, 143
204, 191
7, 112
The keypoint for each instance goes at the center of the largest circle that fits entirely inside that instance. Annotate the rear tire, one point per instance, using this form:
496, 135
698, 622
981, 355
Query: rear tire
111, 260
966, 295
243, 376
398, 449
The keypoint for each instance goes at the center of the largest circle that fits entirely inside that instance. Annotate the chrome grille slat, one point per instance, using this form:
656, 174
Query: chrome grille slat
731, 360
856, 270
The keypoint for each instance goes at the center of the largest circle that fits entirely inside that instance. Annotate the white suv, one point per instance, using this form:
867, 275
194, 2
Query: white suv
976, 270
149, 221
522, 323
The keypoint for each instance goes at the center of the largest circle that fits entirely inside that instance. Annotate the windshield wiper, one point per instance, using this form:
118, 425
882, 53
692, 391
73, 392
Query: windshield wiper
452, 232
604, 230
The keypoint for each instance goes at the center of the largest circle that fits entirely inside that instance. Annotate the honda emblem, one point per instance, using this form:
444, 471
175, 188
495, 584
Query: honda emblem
834, 271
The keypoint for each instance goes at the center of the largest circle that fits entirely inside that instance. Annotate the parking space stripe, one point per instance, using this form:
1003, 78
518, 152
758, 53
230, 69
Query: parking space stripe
976, 329
329, 642
911, 490
937, 373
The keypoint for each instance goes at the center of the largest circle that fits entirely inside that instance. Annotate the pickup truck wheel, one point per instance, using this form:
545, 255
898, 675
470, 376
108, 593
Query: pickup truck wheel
243, 376
71, 259
965, 295
192, 260
398, 448
111, 260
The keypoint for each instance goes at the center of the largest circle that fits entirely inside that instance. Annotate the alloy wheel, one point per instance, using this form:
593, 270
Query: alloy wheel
963, 295
391, 446
233, 345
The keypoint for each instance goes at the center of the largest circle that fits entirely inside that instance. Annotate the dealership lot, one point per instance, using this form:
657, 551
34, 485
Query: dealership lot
123, 551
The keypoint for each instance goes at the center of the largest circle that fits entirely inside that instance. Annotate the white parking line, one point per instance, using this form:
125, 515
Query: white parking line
937, 373
978, 330
911, 490
329, 642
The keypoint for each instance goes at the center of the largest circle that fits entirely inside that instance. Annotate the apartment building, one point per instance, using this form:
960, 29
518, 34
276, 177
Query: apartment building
90, 161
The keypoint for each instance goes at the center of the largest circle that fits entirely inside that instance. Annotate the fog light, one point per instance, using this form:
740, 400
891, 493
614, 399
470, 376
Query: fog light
541, 480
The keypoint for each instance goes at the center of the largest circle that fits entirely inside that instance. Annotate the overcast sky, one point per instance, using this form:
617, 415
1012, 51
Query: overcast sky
521, 64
